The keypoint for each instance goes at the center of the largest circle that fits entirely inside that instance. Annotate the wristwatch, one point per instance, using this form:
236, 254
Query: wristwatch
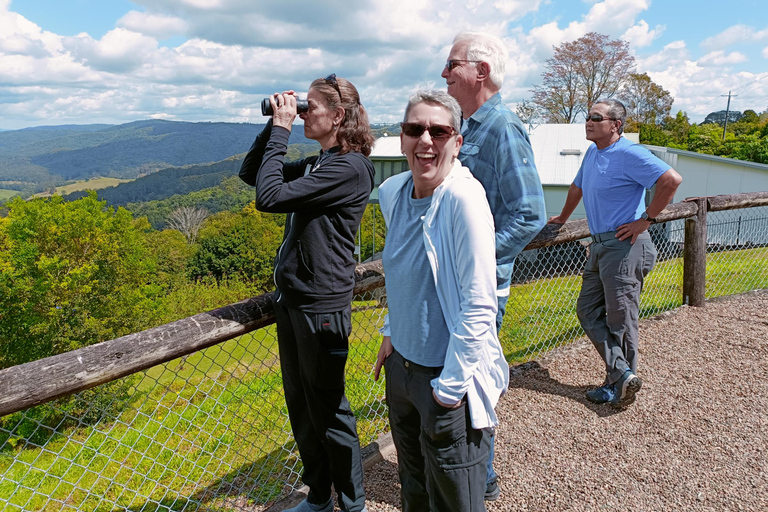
647, 217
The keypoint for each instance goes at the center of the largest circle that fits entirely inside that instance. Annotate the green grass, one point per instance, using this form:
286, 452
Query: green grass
7, 194
210, 430
541, 314
89, 184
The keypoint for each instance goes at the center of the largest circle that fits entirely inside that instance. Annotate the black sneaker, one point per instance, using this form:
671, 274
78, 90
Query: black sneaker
626, 389
492, 491
601, 395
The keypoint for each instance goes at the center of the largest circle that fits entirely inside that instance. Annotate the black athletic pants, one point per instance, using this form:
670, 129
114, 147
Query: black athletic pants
313, 355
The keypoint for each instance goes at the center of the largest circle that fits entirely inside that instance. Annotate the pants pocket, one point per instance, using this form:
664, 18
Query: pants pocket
331, 330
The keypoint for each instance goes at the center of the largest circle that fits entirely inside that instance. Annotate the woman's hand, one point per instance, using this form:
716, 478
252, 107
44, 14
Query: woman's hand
385, 351
443, 404
284, 108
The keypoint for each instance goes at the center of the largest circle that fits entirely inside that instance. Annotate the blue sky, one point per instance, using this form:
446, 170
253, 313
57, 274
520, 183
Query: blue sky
114, 61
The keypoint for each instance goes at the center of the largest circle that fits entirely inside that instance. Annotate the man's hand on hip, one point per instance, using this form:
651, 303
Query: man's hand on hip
632, 229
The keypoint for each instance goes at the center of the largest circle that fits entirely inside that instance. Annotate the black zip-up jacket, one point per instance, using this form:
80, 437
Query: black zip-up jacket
314, 267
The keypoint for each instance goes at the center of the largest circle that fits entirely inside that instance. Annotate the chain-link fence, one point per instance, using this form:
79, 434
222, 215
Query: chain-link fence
210, 431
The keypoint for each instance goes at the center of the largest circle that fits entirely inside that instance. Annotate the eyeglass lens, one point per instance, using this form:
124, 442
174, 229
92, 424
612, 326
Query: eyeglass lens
436, 131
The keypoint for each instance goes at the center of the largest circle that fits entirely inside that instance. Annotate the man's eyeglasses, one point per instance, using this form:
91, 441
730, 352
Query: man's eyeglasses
436, 131
598, 118
454, 63
331, 80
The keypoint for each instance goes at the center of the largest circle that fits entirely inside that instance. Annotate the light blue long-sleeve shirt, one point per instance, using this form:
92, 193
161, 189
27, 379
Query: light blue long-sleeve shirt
458, 237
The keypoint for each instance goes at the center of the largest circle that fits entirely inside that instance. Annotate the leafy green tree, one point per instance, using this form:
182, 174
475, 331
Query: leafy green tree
708, 139
238, 245
372, 241
677, 128
751, 147
653, 135
646, 101
71, 274
748, 124
171, 252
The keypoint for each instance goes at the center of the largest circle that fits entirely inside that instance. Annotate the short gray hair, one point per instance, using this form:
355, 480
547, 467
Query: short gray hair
616, 111
436, 97
486, 48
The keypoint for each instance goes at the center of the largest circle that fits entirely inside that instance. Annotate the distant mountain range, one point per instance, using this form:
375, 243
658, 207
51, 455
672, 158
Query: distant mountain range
46, 155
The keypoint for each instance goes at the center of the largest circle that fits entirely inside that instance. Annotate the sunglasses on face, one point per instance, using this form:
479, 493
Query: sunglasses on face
450, 64
331, 80
436, 131
598, 118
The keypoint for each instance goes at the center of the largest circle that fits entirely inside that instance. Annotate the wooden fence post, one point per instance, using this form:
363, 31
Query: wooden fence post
695, 255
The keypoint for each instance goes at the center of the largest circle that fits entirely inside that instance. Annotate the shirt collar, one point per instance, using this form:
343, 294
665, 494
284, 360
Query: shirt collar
490, 104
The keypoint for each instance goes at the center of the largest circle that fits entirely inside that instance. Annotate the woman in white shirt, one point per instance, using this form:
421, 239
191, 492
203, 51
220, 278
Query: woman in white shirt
444, 365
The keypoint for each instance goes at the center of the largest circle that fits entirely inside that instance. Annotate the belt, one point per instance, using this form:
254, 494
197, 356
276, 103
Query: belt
416, 367
603, 237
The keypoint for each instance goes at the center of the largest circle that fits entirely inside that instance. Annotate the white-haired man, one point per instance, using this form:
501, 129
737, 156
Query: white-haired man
498, 152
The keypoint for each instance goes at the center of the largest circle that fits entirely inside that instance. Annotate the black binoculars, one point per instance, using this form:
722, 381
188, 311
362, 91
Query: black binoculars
266, 107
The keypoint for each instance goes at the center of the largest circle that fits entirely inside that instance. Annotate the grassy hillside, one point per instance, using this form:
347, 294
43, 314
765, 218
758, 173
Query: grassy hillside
90, 184
7, 194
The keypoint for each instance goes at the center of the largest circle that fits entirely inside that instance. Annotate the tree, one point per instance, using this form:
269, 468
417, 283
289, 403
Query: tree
187, 220
646, 101
677, 128
71, 274
238, 245
581, 72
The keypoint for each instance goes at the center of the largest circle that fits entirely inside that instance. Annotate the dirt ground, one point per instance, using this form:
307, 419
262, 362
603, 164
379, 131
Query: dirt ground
695, 439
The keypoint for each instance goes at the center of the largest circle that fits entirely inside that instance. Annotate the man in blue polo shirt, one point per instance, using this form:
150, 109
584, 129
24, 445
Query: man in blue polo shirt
612, 181
498, 152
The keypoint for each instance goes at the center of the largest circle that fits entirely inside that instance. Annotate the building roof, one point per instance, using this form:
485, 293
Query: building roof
660, 151
557, 150
387, 147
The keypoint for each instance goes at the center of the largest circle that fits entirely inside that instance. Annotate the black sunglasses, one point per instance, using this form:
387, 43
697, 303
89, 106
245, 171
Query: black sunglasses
436, 131
598, 118
331, 80
454, 63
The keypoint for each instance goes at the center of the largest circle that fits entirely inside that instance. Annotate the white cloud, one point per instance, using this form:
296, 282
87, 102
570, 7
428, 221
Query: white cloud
720, 58
237, 51
640, 35
155, 25
120, 50
517, 8
733, 35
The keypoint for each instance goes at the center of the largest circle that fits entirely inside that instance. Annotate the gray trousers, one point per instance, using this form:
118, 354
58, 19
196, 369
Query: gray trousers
441, 458
609, 303
313, 356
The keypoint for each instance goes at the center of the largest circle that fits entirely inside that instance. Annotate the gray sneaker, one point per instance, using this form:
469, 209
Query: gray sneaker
626, 389
492, 491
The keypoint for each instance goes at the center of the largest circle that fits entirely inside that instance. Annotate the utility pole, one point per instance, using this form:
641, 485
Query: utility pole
727, 109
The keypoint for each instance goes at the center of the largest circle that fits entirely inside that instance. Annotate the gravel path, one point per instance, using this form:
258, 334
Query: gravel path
695, 439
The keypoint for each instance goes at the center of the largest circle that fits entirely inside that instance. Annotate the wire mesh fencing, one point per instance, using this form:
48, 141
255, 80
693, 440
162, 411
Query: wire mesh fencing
210, 431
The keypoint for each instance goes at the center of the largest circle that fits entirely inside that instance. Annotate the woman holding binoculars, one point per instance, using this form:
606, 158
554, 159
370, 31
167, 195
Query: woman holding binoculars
325, 197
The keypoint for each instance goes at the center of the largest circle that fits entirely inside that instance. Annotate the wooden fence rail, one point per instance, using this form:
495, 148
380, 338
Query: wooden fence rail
41, 381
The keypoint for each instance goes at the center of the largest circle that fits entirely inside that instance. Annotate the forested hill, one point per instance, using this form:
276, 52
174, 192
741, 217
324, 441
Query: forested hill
167, 182
183, 180
56, 153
